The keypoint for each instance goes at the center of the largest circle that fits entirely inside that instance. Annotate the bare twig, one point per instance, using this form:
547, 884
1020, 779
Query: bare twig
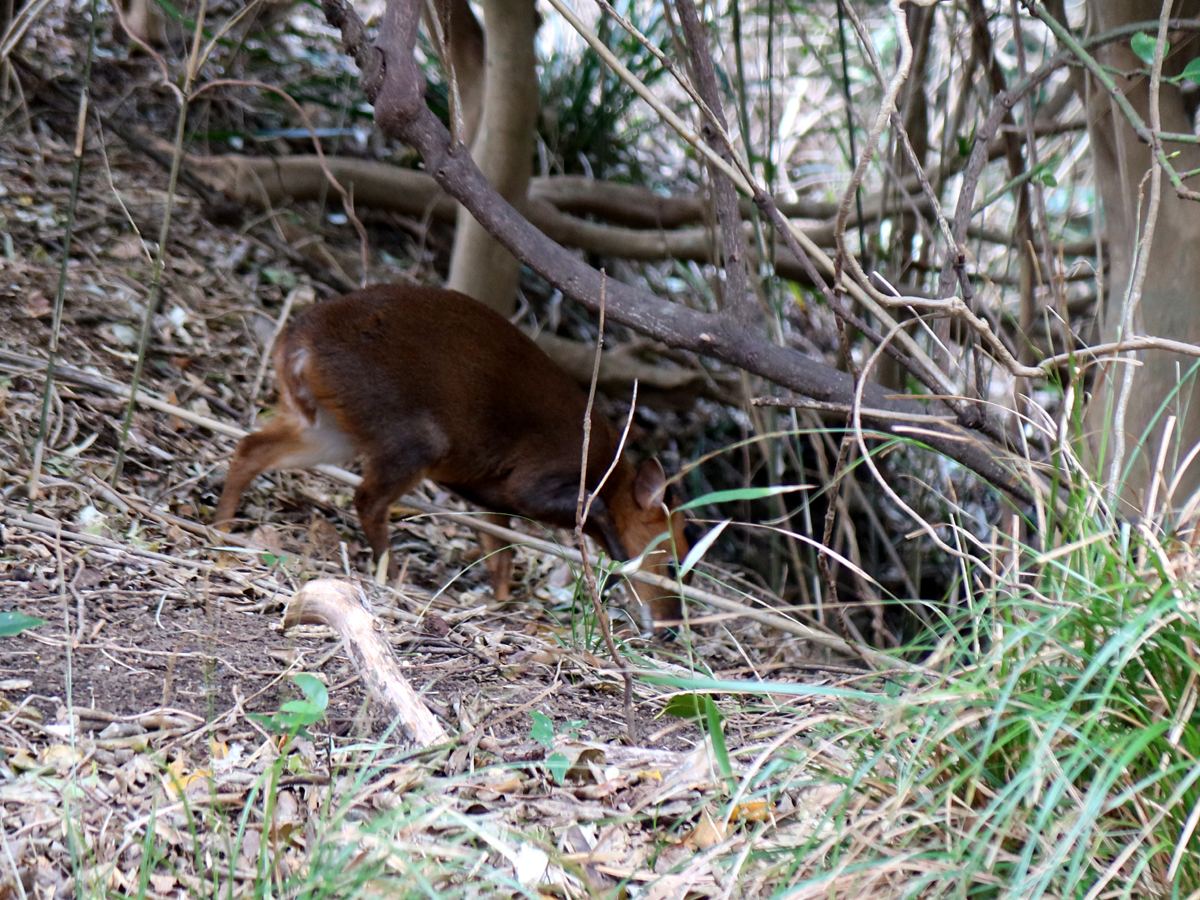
844, 408
1157, 478
39, 446
582, 508
18, 26
865, 453
192, 68
845, 258
1043, 246
739, 302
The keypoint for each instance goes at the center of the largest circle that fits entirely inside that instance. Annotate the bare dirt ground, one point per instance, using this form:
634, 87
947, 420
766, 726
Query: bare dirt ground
162, 638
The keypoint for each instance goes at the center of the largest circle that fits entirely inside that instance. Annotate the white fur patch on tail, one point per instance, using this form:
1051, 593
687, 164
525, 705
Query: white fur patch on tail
294, 384
323, 443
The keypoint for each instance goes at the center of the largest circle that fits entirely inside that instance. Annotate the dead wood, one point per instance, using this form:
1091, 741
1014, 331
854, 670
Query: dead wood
393, 81
257, 180
619, 368
650, 223
339, 605
263, 182
694, 244
269, 181
639, 207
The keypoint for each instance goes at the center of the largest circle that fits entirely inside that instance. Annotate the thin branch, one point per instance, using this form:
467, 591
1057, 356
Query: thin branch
394, 82
865, 453
738, 299
161, 252
887, 106
39, 446
583, 506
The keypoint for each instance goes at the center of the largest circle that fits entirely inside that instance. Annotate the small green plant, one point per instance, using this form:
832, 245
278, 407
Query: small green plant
294, 716
13, 623
701, 709
1142, 45
542, 731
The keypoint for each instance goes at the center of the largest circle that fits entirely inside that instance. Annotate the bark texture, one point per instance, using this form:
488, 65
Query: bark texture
503, 150
1170, 303
466, 53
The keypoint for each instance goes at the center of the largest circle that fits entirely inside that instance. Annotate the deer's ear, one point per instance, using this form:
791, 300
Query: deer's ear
650, 485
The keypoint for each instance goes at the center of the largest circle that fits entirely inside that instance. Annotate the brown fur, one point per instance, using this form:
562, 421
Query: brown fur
426, 383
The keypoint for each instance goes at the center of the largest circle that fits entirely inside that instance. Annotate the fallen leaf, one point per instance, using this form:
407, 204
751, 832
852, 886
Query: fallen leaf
61, 756
124, 334
177, 424
706, 833
753, 811
128, 247
323, 538
163, 882
435, 626
600, 791
268, 538
21, 760
530, 864
36, 305
288, 815
510, 785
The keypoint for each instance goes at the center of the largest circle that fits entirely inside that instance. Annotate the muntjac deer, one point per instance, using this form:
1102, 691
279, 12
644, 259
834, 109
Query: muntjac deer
420, 382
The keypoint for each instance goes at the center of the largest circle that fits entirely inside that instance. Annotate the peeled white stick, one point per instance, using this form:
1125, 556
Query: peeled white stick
337, 605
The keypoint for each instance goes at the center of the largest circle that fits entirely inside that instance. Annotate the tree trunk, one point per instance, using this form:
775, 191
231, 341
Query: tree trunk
466, 54
1170, 301
503, 150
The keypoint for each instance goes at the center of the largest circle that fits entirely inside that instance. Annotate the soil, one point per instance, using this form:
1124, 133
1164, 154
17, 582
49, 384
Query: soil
161, 648
157, 616
130, 638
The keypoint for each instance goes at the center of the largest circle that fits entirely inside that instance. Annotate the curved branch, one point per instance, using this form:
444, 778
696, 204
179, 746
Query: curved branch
396, 86
337, 605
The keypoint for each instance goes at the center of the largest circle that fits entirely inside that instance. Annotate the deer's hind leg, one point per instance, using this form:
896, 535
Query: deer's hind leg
286, 443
